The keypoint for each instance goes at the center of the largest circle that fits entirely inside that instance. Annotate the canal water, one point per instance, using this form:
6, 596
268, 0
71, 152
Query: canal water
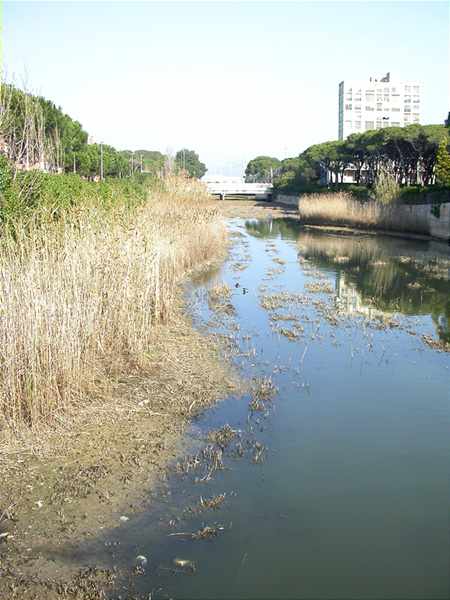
332, 477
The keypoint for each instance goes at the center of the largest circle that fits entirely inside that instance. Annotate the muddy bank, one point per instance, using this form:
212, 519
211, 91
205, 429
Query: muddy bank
75, 481
255, 209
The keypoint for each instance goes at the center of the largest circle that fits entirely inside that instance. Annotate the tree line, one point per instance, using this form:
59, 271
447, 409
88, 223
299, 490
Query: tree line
412, 155
36, 134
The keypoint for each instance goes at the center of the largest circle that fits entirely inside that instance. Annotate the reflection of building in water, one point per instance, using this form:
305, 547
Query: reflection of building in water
443, 326
349, 300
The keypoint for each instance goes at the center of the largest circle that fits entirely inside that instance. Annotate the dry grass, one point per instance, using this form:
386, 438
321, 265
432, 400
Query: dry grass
79, 298
344, 210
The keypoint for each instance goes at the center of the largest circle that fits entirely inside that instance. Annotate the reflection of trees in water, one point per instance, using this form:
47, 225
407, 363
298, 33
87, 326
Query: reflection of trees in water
284, 228
385, 274
388, 274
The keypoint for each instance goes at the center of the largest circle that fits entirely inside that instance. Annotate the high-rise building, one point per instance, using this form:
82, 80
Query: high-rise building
377, 103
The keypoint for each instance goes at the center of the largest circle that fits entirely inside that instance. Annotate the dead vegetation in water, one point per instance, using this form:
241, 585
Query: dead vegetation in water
439, 345
219, 299
291, 334
213, 503
282, 317
220, 292
271, 273
282, 299
222, 436
204, 533
239, 266
263, 388
319, 287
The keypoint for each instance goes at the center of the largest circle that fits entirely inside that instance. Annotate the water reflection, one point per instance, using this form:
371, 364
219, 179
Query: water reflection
375, 274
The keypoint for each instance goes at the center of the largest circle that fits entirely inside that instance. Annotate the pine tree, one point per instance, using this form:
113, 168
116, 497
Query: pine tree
443, 164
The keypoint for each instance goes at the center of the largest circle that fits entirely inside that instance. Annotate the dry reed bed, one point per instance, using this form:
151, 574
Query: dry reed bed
344, 210
79, 298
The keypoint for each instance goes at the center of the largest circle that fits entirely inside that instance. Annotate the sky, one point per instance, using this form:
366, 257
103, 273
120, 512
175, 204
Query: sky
231, 80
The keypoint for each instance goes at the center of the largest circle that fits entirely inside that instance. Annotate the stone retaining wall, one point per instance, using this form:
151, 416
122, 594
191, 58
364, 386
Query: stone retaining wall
287, 199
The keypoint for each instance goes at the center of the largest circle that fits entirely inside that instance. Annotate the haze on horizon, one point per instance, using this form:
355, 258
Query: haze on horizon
231, 80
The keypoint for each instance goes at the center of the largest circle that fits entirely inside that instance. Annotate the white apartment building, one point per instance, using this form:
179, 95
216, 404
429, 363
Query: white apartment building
377, 103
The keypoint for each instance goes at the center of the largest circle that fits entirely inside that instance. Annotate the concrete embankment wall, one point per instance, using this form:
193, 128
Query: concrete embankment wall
435, 218
287, 199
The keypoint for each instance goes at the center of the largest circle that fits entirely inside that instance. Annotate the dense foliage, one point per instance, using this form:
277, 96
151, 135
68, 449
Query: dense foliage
408, 154
262, 169
443, 164
36, 134
188, 160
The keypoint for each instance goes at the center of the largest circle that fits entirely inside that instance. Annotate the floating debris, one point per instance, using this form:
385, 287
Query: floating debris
185, 565
439, 345
274, 301
141, 561
259, 452
320, 287
291, 334
219, 292
263, 388
223, 436
214, 503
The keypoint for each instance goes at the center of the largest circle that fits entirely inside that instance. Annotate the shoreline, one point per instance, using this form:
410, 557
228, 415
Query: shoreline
106, 460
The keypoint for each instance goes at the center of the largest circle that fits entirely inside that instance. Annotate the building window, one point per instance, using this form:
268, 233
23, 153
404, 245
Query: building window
357, 124
395, 124
416, 89
379, 106
348, 107
358, 107
369, 108
407, 89
407, 109
370, 125
395, 109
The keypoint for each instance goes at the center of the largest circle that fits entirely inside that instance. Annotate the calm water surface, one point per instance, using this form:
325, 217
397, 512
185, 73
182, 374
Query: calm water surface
351, 496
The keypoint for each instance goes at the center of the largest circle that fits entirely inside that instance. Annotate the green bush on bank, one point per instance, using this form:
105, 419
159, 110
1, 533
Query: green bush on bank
43, 196
435, 194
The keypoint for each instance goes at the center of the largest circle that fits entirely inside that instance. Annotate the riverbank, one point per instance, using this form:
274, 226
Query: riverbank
341, 209
82, 460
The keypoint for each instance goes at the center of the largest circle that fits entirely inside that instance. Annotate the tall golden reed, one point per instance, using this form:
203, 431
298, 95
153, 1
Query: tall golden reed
80, 297
342, 209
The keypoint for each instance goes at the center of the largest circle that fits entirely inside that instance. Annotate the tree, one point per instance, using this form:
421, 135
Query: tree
152, 161
262, 169
443, 164
188, 160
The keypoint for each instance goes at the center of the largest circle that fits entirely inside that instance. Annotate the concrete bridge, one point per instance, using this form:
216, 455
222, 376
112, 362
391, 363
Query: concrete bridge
260, 191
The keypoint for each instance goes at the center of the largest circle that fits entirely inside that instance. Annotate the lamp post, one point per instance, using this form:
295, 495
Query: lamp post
101, 161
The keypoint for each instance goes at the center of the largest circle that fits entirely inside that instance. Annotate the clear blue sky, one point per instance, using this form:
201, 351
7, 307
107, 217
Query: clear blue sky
229, 79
